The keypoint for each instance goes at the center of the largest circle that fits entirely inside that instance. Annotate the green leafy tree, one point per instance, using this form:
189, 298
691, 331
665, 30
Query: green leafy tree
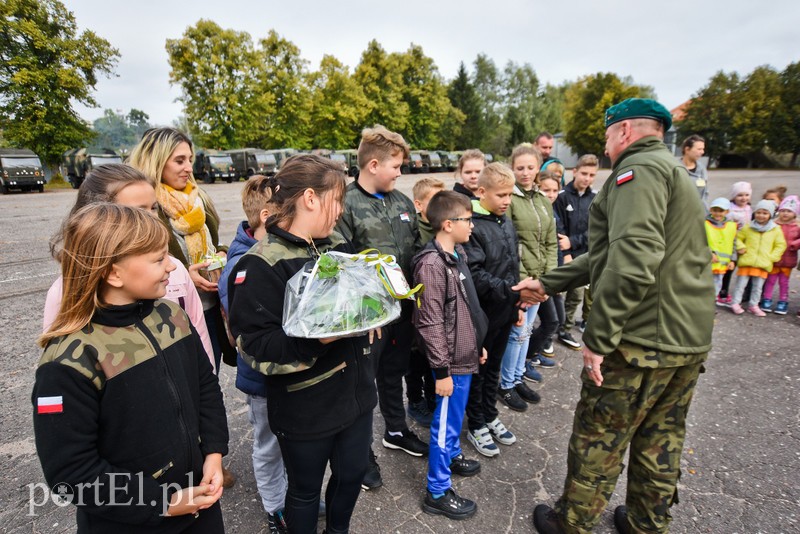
463, 97
550, 108
586, 103
285, 103
46, 66
424, 92
339, 106
488, 83
760, 100
216, 71
119, 132
710, 113
784, 133
380, 77
522, 103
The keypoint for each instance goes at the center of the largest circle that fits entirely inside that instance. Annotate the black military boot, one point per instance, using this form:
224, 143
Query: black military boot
621, 520
546, 520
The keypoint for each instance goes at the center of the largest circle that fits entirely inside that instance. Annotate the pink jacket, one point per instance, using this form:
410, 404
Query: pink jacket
741, 216
791, 232
180, 290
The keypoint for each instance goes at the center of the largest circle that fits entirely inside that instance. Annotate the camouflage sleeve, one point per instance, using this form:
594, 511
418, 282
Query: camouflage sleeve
345, 225
256, 320
66, 443
636, 248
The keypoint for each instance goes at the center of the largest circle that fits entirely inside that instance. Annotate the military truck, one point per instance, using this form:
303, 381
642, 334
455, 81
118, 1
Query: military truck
76, 163
414, 164
20, 169
250, 161
212, 164
449, 160
430, 161
282, 154
351, 161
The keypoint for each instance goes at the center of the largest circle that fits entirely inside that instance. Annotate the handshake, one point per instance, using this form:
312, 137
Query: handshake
530, 292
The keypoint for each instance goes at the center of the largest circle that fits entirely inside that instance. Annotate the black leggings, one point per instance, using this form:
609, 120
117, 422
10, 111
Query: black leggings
305, 462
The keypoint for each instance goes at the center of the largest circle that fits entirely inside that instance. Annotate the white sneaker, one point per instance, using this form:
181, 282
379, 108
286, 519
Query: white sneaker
501, 433
482, 440
548, 350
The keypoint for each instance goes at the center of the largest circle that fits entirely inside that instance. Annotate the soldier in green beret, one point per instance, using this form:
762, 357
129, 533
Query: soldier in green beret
649, 333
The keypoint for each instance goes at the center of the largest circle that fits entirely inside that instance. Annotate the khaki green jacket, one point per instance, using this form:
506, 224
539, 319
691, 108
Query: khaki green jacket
533, 219
648, 262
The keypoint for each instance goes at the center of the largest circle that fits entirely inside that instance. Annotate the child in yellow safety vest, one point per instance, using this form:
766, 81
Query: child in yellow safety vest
721, 235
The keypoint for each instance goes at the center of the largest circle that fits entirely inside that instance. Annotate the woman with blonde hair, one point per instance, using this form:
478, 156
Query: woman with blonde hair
165, 156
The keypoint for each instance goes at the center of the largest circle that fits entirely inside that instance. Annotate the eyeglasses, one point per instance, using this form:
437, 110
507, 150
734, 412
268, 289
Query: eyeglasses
460, 219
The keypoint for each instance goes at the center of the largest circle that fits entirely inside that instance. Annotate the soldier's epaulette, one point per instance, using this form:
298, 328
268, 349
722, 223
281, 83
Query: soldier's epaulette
273, 249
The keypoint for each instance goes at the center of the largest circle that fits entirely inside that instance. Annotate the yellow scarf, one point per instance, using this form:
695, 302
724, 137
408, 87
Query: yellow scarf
187, 217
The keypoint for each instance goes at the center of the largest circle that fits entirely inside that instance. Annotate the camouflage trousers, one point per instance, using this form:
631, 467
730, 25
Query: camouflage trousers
641, 406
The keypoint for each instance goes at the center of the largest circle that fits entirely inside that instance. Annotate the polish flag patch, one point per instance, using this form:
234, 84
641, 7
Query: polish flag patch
240, 277
625, 177
49, 404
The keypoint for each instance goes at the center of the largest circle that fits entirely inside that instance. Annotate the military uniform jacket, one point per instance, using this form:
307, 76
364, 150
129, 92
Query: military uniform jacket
313, 390
388, 224
493, 259
648, 262
532, 216
130, 400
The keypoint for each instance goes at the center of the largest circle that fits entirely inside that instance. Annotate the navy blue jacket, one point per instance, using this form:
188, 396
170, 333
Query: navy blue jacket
572, 214
248, 380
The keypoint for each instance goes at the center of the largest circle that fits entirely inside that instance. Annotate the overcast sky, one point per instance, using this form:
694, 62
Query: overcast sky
673, 46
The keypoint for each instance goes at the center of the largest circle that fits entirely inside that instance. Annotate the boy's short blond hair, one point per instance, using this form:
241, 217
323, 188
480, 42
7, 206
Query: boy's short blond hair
381, 144
256, 196
424, 186
587, 160
496, 175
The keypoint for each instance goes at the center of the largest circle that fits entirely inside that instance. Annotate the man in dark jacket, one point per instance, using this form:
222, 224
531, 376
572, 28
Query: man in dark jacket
649, 334
572, 213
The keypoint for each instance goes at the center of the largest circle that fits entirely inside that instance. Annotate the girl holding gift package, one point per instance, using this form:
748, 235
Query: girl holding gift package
320, 392
165, 156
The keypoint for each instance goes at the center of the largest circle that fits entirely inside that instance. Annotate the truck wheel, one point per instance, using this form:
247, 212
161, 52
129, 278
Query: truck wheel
40, 188
207, 179
424, 169
5, 189
405, 169
73, 181
354, 171
229, 179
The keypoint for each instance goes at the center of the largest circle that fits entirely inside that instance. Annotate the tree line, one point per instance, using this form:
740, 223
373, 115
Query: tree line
239, 91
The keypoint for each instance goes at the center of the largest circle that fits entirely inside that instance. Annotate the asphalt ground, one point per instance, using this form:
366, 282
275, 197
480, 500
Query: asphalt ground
740, 463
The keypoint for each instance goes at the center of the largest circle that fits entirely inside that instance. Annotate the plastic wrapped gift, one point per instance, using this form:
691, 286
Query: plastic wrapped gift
342, 295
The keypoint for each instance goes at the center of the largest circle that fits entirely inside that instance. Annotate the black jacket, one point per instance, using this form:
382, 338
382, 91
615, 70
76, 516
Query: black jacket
313, 390
493, 258
140, 409
459, 188
572, 216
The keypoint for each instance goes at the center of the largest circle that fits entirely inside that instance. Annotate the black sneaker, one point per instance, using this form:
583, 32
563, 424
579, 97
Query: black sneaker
464, 467
546, 520
419, 412
621, 520
582, 326
407, 442
276, 524
449, 505
510, 398
567, 339
548, 349
526, 393
372, 479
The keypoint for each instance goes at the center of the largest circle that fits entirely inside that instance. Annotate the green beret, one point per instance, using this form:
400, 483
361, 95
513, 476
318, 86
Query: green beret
638, 108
